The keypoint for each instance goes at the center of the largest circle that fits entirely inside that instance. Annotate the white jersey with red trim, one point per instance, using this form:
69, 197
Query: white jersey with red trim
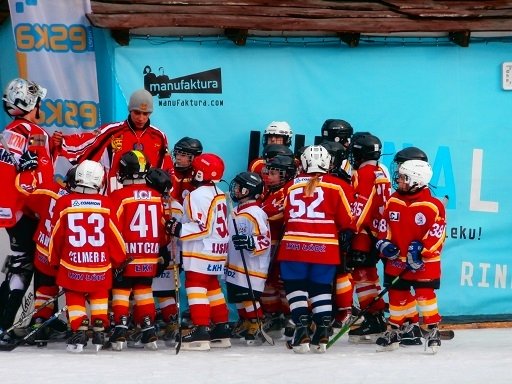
204, 234
250, 220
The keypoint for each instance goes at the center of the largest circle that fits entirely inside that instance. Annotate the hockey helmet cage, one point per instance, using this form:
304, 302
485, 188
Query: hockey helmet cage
90, 174
272, 150
363, 147
246, 186
207, 167
408, 153
337, 151
315, 159
337, 130
133, 165
22, 96
278, 128
159, 180
286, 167
415, 173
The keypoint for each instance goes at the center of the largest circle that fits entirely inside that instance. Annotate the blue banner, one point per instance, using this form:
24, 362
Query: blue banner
447, 100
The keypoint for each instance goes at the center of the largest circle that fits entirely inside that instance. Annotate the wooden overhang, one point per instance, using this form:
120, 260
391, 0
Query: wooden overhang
346, 19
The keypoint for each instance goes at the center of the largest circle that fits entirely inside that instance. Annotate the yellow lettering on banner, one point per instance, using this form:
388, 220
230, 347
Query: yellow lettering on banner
71, 112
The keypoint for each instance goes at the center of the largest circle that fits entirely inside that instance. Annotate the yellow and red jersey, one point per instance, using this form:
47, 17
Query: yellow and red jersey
85, 243
140, 213
417, 217
273, 206
181, 184
312, 223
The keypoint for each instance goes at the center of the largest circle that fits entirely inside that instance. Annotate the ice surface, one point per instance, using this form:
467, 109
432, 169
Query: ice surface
473, 356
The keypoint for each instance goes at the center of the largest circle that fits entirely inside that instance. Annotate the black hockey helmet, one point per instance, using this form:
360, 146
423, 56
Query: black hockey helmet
272, 150
286, 167
69, 180
188, 146
133, 165
246, 186
337, 151
159, 180
364, 147
408, 153
337, 130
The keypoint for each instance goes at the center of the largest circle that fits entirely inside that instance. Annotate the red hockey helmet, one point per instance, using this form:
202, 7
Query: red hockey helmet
208, 167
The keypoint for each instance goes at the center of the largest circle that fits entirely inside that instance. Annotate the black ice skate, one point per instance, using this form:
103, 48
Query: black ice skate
369, 330
410, 334
301, 339
196, 338
98, 335
78, 340
118, 337
148, 338
171, 331
321, 336
433, 338
41, 337
220, 336
274, 324
390, 341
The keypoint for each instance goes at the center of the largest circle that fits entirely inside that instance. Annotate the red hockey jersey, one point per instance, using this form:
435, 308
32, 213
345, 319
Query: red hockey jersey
419, 217
273, 206
140, 212
85, 243
312, 222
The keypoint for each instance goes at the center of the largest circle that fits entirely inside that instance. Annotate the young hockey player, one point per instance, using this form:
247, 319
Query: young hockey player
276, 133
25, 163
412, 237
316, 210
277, 172
41, 204
164, 284
140, 213
248, 253
184, 152
337, 131
204, 236
115, 139
372, 190
85, 245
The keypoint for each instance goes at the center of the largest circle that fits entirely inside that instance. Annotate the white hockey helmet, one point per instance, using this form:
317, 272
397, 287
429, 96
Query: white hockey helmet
415, 173
278, 128
21, 96
90, 174
315, 158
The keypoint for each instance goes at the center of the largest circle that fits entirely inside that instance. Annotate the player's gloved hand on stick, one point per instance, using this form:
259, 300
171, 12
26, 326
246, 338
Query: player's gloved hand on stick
387, 249
414, 259
28, 161
173, 227
243, 242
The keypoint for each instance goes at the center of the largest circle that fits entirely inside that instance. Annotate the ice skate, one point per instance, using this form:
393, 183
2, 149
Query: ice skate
410, 334
220, 336
133, 337
432, 339
171, 331
274, 324
321, 336
390, 341
196, 338
41, 337
98, 336
240, 329
148, 338
301, 339
118, 338
342, 318
77, 342
369, 330
253, 335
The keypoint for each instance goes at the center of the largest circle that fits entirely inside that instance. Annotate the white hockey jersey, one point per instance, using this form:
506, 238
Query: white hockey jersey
250, 220
204, 234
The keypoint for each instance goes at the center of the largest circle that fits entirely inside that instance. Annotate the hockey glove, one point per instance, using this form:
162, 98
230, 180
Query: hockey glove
164, 257
243, 242
28, 161
56, 141
414, 260
387, 249
345, 239
173, 227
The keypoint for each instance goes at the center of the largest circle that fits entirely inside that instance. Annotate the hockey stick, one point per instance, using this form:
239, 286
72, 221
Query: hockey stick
364, 311
17, 343
21, 320
265, 335
177, 282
